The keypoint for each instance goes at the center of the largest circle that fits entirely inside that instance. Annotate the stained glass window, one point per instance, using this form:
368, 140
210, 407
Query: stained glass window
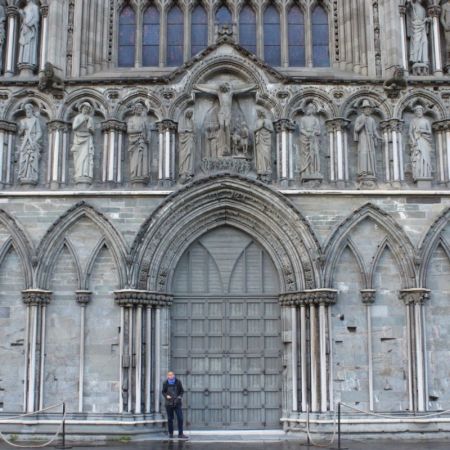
296, 37
199, 30
320, 37
272, 36
150, 49
175, 36
127, 37
247, 28
223, 16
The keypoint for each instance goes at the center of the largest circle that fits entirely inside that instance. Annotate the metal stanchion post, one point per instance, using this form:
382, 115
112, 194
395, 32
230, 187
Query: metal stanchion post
339, 447
63, 444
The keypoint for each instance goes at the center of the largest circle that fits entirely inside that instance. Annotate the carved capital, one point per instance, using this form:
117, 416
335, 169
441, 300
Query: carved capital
368, 296
284, 125
392, 125
434, 11
35, 297
58, 125
135, 297
44, 10
309, 297
12, 11
337, 124
442, 125
83, 297
113, 124
166, 125
8, 126
291, 299
414, 296
402, 10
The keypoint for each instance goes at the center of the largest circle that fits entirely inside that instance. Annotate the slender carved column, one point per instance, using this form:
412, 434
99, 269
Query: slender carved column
7, 132
338, 142
36, 301
285, 158
58, 138
113, 131
442, 129
139, 355
434, 11
83, 299
44, 37
403, 39
12, 13
414, 300
166, 162
393, 150
368, 298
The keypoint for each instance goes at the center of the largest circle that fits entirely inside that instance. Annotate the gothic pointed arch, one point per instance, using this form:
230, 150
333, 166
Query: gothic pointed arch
56, 236
396, 239
225, 200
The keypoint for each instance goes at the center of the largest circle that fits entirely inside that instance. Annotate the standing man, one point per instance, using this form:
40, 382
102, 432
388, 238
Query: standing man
173, 393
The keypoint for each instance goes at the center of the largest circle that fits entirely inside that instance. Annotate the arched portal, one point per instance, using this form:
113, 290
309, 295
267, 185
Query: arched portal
226, 332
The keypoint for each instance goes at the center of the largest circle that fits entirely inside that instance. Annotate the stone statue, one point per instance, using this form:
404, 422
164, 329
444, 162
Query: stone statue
420, 141
186, 139
30, 132
2, 34
445, 21
29, 34
225, 93
310, 143
245, 136
212, 150
366, 135
139, 135
83, 144
263, 147
417, 30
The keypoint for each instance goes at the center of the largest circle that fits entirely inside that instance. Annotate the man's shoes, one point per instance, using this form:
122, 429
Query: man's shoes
170, 436
183, 436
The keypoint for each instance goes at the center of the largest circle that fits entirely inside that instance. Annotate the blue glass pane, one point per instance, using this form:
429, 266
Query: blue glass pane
223, 15
320, 38
272, 36
150, 37
175, 37
150, 55
126, 56
321, 56
199, 30
151, 34
247, 29
319, 16
295, 16
127, 36
296, 37
127, 16
151, 15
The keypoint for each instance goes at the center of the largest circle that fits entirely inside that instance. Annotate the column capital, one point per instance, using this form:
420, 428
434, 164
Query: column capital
402, 10
166, 125
392, 125
414, 296
12, 11
83, 297
36, 297
113, 124
8, 126
309, 297
44, 10
54, 125
284, 125
136, 297
441, 125
368, 296
337, 124
434, 11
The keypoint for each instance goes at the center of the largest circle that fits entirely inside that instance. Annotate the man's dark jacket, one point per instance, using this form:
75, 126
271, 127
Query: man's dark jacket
175, 391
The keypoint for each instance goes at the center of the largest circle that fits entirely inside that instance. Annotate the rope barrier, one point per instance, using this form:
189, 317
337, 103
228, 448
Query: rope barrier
308, 431
48, 408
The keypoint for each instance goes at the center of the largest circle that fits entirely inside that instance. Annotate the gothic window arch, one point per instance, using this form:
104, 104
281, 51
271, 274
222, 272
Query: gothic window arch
223, 15
247, 28
199, 30
150, 36
175, 36
127, 36
272, 36
320, 37
296, 36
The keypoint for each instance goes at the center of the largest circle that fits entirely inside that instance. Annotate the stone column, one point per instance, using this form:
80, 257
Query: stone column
434, 11
83, 299
442, 130
393, 150
338, 142
166, 155
44, 37
285, 157
12, 13
36, 301
368, 298
139, 355
7, 133
403, 39
113, 131
414, 300
58, 138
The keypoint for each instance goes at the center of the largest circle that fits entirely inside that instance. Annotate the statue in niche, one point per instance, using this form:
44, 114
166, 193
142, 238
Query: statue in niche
2, 34
417, 30
30, 132
420, 141
367, 136
83, 144
263, 147
186, 139
224, 93
29, 34
212, 145
139, 135
239, 140
445, 21
310, 144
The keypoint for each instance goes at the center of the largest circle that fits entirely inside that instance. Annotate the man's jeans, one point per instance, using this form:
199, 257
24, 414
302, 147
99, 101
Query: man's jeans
171, 410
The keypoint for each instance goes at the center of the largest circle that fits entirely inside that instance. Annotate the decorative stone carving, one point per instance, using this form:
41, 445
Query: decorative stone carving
263, 147
36, 297
240, 141
29, 37
186, 139
393, 86
310, 145
137, 297
49, 79
414, 296
2, 34
417, 29
83, 145
445, 21
420, 141
30, 132
366, 135
139, 137
368, 296
83, 297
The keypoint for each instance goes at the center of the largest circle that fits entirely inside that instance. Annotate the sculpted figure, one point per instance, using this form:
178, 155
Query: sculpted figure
418, 24
245, 135
30, 132
310, 142
186, 139
83, 144
366, 135
225, 93
445, 21
263, 146
420, 141
2, 34
212, 150
29, 33
139, 135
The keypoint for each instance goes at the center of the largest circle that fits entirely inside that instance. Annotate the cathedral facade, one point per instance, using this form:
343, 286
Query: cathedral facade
255, 195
